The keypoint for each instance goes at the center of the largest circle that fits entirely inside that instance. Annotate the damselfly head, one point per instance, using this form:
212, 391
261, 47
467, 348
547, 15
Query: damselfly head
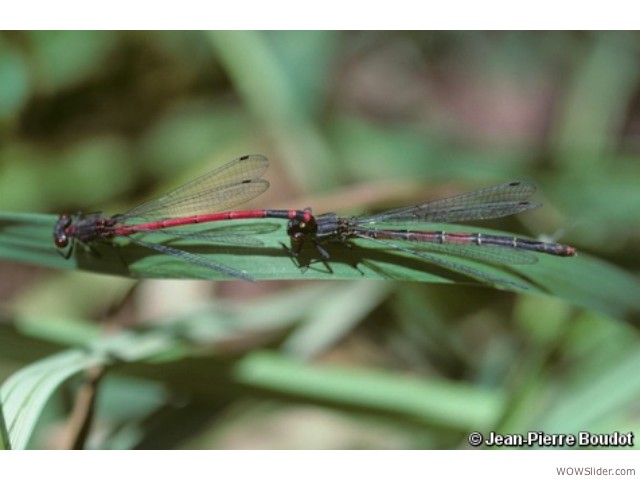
299, 228
60, 236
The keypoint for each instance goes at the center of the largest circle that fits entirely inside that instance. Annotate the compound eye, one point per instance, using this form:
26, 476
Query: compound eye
61, 241
60, 236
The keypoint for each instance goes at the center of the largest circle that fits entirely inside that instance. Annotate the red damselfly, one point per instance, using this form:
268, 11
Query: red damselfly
195, 202
487, 203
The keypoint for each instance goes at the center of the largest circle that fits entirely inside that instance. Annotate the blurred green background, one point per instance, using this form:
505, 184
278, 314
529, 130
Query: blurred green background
352, 122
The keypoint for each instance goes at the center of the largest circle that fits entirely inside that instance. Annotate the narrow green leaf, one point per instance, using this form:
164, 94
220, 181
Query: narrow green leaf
24, 395
434, 402
582, 280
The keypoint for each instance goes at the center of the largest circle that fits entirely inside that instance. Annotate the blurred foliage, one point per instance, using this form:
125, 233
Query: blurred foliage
352, 122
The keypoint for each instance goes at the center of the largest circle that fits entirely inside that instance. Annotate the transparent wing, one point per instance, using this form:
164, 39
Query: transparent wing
223, 188
238, 235
450, 265
495, 254
193, 258
492, 202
